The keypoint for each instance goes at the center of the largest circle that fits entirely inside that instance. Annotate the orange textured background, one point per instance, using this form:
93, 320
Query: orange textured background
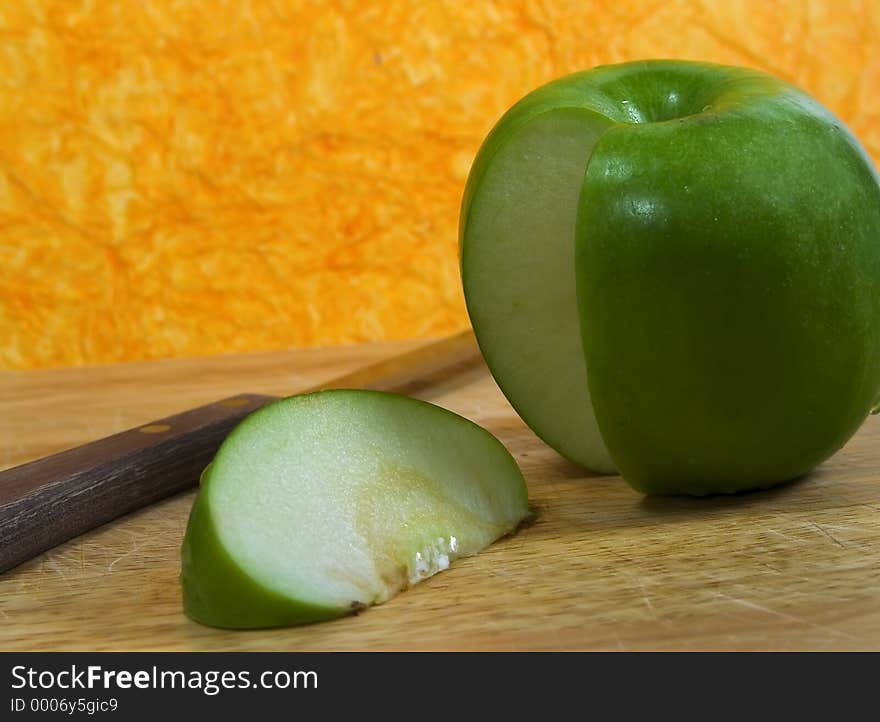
181, 178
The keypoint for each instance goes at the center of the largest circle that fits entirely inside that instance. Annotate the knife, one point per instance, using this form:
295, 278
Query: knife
48, 501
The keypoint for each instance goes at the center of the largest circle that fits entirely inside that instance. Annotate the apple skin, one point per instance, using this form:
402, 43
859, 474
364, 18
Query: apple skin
727, 257
728, 268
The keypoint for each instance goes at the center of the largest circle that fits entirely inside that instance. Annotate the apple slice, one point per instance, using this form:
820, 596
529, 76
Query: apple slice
518, 271
318, 505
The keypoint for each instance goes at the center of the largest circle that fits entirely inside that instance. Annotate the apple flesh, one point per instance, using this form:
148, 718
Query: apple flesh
319, 505
722, 261
519, 278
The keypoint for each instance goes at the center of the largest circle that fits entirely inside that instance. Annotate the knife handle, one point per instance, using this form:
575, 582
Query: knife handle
51, 500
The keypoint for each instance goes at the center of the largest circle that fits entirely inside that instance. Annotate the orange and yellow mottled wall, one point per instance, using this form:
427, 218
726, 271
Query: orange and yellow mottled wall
186, 178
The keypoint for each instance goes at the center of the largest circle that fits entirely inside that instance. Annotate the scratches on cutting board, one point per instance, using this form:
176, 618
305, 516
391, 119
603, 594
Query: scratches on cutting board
782, 615
137, 547
827, 534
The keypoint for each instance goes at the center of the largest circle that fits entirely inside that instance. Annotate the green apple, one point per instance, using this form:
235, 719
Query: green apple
673, 269
319, 505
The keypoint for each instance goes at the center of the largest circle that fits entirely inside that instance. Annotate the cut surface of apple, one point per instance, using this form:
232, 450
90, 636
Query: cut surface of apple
519, 277
319, 505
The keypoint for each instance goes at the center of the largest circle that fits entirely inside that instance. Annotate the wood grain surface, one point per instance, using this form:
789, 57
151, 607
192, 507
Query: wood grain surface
603, 568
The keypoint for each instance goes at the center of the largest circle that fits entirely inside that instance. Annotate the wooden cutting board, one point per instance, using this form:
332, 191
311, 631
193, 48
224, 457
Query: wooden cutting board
603, 568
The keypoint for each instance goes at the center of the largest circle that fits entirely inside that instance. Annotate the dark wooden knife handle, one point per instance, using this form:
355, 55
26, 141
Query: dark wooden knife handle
53, 499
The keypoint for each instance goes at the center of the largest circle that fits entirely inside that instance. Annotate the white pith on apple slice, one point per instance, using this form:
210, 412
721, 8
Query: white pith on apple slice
519, 277
319, 505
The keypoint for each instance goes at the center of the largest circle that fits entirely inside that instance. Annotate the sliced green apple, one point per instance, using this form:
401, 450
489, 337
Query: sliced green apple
518, 225
319, 505
722, 261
